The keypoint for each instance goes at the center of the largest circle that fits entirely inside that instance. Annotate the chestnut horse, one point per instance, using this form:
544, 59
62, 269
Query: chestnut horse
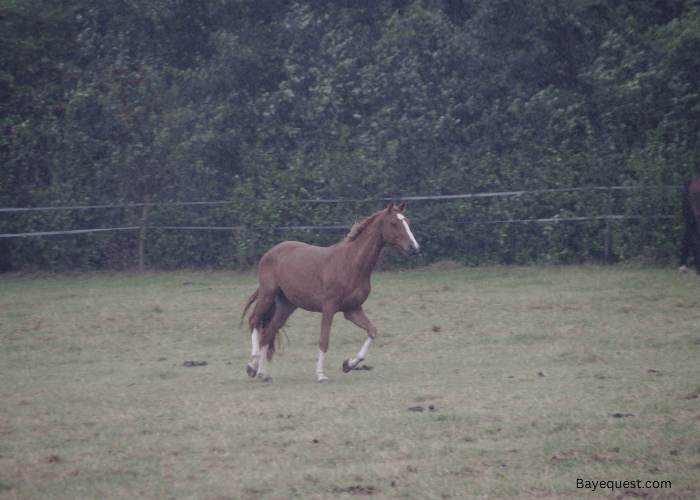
691, 216
322, 279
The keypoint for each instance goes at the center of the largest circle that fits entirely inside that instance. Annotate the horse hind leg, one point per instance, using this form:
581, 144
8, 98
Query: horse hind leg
263, 312
282, 310
253, 366
259, 364
262, 368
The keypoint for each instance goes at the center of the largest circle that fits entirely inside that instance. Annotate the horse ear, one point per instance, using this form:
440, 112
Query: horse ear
402, 207
391, 206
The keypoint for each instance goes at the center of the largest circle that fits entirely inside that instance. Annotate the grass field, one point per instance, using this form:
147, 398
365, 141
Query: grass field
543, 380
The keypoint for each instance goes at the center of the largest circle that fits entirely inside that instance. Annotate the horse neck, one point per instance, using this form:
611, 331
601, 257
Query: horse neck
366, 248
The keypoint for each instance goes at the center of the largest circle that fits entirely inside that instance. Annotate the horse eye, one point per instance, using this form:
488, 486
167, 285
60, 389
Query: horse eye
393, 224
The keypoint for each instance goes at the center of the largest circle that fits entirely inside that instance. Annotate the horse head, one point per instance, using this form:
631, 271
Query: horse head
396, 231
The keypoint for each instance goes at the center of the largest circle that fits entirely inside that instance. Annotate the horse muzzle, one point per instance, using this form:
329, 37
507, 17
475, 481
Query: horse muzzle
411, 250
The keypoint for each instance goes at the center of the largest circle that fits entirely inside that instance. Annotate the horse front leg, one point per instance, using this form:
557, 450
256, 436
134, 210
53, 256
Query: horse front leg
326, 322
358, 317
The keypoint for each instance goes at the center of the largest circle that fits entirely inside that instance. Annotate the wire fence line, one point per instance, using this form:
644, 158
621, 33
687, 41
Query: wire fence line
346, 200
324, 228
608, 217
72, 231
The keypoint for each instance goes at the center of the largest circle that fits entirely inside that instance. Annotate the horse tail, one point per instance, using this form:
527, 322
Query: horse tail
274, 342
251, 300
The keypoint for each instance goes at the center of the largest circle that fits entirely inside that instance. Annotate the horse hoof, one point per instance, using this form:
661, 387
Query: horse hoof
346, 366
324, 381
266, 379
251, 371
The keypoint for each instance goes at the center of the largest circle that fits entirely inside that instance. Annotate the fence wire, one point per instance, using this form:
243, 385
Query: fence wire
345, 200
329, 201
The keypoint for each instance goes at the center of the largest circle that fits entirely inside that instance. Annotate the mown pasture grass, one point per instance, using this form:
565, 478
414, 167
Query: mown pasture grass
539, 376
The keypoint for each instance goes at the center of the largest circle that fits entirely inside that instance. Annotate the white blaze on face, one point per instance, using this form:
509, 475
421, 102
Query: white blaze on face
410, 234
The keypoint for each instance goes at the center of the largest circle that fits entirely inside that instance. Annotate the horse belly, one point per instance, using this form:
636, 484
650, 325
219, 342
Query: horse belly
354, 298
302, 299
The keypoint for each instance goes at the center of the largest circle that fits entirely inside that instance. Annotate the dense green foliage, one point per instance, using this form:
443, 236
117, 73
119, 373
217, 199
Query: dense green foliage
158, 101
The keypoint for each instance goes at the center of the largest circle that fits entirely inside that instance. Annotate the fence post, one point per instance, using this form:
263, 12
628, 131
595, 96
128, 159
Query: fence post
239, 236
608, 223
142, 236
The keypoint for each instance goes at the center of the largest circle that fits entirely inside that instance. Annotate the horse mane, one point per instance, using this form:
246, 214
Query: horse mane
358, 227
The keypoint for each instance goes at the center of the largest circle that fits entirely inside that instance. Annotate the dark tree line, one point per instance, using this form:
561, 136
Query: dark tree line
150, 101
